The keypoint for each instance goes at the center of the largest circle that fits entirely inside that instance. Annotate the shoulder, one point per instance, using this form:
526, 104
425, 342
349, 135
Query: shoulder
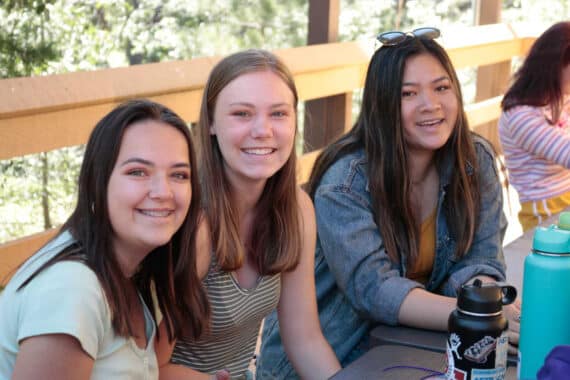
486, 154
346, 172
483, 146
65, 298
306, 207
66, 279
518, 114
203, 247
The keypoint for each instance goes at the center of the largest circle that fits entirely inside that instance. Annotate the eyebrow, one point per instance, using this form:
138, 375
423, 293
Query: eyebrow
246, 104
442, 78
150, 163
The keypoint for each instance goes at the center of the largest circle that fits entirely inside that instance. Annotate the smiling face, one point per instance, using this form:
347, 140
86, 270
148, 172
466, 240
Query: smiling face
149, 190
429, 104
254, 123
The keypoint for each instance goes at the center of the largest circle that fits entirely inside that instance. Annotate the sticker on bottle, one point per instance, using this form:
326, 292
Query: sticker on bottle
480, 350
501, 350
488, 374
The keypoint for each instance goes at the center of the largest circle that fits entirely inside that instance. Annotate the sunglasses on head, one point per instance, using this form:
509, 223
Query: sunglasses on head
394, 38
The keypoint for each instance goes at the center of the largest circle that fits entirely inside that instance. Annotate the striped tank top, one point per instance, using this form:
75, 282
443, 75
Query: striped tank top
236, 318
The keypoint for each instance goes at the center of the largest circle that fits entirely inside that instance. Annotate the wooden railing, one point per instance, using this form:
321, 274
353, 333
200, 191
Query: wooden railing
44, 113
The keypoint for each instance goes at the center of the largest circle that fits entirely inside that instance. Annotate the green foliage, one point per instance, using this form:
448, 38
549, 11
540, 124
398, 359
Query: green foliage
22, 191
26, 44
40, 37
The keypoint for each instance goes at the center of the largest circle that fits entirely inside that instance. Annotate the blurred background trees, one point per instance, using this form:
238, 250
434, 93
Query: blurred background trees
40, 37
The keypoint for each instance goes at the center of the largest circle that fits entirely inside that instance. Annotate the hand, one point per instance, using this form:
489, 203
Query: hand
221, 375
513, 314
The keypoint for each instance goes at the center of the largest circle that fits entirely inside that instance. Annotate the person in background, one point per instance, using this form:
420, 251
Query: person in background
83, 306
534, 127
408, 203
257, 237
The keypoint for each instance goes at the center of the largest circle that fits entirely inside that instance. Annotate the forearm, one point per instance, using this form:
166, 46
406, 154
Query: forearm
426, 310
313, 358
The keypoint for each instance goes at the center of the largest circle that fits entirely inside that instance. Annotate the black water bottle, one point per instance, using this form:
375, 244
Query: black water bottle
477, 342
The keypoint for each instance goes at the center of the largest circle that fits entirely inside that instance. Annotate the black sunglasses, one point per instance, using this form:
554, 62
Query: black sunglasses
394, 38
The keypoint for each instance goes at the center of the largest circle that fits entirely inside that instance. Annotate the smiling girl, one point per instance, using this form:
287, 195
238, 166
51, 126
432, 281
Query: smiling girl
83, 307
257, 238
408, 205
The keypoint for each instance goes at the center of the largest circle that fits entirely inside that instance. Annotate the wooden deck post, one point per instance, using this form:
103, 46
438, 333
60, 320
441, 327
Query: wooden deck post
492, 80
326, 118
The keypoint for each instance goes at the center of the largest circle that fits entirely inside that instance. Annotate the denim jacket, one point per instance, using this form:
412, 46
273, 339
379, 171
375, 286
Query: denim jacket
357, 283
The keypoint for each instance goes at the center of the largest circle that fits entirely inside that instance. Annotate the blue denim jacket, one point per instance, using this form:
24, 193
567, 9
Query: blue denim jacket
357, 283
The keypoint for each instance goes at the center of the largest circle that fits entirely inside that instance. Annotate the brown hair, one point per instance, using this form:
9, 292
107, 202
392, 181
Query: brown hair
379, 131
171, 267
538, 82
274, 244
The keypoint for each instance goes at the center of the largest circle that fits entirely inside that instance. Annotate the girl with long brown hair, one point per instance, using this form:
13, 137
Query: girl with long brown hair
408, 205
257, 237
86, 305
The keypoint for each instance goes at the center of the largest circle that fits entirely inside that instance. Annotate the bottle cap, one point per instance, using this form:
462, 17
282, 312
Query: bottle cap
487, 298
551, 240
564, 220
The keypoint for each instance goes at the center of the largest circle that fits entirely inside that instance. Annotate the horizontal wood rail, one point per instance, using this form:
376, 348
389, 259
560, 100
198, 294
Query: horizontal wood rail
44, 113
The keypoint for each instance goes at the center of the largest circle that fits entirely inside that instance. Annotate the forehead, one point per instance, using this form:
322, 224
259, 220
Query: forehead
255, 87
423, 66
152, 137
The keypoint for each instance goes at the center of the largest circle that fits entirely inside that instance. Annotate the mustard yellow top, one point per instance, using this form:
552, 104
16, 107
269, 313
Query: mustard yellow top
422, 270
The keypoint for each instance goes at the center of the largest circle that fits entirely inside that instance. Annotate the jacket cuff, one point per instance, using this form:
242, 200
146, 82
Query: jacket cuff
390, 298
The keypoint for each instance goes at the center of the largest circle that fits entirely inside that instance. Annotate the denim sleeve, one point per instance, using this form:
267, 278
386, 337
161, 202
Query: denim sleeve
485, 257
355, 253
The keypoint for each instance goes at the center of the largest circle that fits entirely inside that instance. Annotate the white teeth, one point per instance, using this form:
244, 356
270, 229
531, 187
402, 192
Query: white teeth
429, 123
258, 151
157, 213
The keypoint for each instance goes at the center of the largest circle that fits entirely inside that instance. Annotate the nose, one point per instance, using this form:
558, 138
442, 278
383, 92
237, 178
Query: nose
262, 127
430, 101
160, 188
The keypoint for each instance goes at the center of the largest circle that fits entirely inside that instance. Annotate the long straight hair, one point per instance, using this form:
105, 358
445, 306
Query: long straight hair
274, 244
379, 131
538, 82
171, 268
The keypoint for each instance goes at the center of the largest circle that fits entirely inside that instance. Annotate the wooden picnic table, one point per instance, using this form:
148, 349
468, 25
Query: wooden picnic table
394, 362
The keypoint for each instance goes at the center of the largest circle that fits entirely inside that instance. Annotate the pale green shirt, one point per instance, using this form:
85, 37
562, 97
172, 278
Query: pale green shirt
67, 298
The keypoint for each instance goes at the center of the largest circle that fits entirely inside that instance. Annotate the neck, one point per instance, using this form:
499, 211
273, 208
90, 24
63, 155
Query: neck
420, 167
246, 197
128, 261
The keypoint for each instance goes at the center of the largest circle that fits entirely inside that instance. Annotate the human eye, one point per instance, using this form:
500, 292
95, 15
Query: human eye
241, 113
181, 175
443, 87
408, 93
279, 114
136, 172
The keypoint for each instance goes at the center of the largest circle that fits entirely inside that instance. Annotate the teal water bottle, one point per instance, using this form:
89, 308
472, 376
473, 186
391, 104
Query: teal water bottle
545, 314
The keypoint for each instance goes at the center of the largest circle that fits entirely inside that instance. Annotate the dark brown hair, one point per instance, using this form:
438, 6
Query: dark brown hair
171, 268
274, 244
538, 81
379, 131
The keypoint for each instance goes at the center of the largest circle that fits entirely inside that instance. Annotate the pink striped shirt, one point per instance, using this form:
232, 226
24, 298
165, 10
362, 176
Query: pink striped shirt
537, 154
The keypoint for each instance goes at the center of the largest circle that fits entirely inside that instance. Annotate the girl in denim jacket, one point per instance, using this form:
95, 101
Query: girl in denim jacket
408, 204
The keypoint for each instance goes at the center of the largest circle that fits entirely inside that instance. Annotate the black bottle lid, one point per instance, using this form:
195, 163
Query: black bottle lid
485, 298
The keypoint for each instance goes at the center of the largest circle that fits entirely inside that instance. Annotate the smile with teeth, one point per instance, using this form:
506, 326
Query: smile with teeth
258, 151
156, 213
429, 123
